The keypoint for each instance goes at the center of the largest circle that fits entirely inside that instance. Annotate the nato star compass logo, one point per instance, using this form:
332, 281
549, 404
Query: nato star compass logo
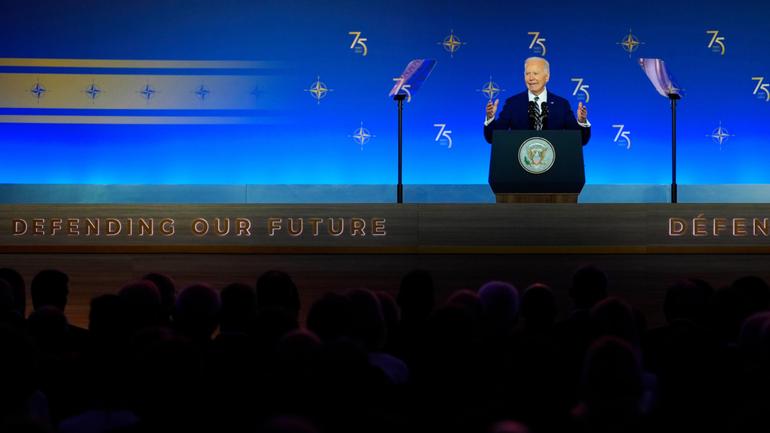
147, 92
362, 136
38, 90
92, 92
319, 90
630, 43
452, 43
720, 135
490, 89
202, 92
256, 92
537, 155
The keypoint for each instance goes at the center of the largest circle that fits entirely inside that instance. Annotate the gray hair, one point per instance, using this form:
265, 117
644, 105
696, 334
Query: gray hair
546, 68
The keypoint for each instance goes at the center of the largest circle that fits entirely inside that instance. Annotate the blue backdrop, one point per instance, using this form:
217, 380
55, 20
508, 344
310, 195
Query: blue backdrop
293, 136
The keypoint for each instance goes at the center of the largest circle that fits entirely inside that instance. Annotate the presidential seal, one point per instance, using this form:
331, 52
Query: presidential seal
537, 155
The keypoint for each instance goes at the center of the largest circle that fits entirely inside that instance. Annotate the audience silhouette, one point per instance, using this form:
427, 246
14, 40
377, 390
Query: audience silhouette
496, 359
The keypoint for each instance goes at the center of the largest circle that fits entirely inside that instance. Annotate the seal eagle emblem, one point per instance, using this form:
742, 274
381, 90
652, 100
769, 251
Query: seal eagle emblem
536, 155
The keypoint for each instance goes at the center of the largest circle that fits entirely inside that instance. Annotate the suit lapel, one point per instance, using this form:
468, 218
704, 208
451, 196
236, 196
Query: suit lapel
521, 104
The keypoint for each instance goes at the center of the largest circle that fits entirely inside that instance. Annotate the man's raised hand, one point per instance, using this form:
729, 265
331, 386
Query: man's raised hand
582, 113
492, 109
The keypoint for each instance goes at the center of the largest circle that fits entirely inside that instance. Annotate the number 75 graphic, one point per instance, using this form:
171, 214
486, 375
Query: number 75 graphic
622, 134
580, 87
761, 85
444, 133
358, 40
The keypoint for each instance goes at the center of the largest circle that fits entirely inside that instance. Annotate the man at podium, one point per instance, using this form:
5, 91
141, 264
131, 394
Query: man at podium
536, 109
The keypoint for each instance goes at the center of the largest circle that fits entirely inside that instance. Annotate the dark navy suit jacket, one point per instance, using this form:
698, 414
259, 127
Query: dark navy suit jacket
515, 115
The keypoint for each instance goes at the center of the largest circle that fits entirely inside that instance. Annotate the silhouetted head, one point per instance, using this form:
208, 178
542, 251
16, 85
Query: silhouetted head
165, 377
538, 306
196, 312
687, 300
753, 295
239, 307
612, 378
344, 368
19, 366
331, 317
141, 300
448, 344
614, 317
275, 289
750, 337
499, 304
16, 281
7, 304
107, 319
390, 312
416, 296
298, 345
368, 322
467, 299
49, 329
270, 325
50, 287
167, 289
764, 349
297, 354
8, 313
589, 286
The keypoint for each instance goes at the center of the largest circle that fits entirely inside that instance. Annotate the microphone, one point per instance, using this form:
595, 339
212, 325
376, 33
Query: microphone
532, 110
544, 115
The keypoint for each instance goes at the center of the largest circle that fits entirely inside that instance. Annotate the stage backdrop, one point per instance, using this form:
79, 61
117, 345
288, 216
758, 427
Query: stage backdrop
295, 91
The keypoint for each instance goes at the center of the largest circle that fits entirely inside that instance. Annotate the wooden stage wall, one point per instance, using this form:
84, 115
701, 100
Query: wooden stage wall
332, 247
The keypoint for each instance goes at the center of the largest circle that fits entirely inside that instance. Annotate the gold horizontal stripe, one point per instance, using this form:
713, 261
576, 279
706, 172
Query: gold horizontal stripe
140, 64
117, 91
437, 250
136, 120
